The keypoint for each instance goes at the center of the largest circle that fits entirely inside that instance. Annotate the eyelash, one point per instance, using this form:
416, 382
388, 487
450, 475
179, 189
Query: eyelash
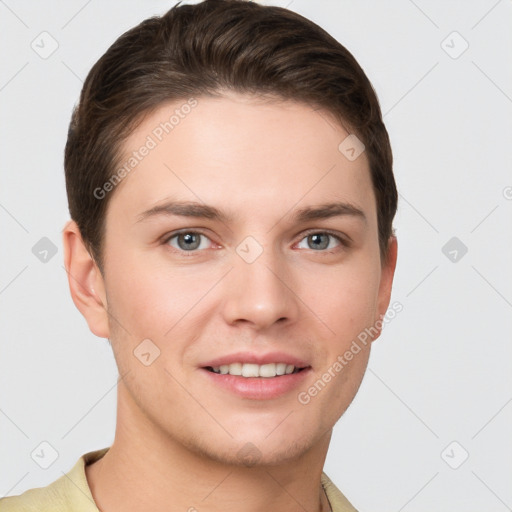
343, 243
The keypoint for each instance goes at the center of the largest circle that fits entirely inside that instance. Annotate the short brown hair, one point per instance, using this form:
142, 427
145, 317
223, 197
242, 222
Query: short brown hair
201, 50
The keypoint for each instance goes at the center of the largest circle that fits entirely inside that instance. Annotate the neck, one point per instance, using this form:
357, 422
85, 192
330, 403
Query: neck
147, 469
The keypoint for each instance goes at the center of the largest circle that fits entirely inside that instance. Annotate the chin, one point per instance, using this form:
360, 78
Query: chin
252, 450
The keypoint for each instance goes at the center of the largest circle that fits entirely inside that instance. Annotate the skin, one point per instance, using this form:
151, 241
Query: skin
178, 437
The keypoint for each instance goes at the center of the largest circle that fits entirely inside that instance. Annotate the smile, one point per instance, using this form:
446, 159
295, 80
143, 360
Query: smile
268, 370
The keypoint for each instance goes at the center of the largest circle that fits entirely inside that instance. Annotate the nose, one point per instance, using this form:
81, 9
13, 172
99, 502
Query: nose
260, 293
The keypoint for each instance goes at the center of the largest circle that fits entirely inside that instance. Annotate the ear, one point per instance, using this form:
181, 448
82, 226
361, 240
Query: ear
85, 281
386, 281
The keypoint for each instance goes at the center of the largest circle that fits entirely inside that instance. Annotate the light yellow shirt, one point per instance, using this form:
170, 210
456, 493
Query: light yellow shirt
71, 493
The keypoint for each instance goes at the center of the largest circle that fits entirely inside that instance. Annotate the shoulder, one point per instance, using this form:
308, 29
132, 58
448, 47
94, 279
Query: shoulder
337, 500
68, 493
41, 499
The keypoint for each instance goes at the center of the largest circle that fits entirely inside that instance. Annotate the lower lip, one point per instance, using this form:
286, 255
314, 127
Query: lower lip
258, 388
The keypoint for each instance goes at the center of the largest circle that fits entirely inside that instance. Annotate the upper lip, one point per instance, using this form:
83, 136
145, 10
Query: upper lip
255, 358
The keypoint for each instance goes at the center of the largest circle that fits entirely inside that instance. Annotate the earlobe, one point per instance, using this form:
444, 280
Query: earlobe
85, 281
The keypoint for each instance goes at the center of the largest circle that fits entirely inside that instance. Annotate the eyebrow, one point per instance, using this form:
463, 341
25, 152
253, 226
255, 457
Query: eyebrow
198, 210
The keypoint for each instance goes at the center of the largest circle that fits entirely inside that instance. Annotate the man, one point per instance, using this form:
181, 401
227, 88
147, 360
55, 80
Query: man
231, 191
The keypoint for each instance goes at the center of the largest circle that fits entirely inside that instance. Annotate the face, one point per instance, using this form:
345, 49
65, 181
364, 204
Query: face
244, 242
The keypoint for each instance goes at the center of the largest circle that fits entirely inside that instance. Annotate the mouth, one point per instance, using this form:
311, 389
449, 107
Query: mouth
257, 377
252, 370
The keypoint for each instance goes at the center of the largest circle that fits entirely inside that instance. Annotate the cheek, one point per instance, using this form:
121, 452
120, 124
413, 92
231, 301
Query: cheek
345, 299
148, 297
168, 305
349, 308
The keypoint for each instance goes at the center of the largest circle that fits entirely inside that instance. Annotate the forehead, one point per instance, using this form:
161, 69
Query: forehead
240, 153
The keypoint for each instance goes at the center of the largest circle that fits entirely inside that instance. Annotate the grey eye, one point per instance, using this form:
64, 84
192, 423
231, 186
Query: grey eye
320, 241
188, 241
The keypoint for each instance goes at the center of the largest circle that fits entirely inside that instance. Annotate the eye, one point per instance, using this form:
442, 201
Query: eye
188, 241
321, 240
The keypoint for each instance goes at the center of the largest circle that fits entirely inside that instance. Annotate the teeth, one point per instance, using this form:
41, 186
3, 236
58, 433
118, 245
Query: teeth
280, 368
250, 370
256, 370
267, 370
234, 369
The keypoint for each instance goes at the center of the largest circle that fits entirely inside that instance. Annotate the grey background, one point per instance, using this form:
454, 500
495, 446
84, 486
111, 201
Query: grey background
440, 373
